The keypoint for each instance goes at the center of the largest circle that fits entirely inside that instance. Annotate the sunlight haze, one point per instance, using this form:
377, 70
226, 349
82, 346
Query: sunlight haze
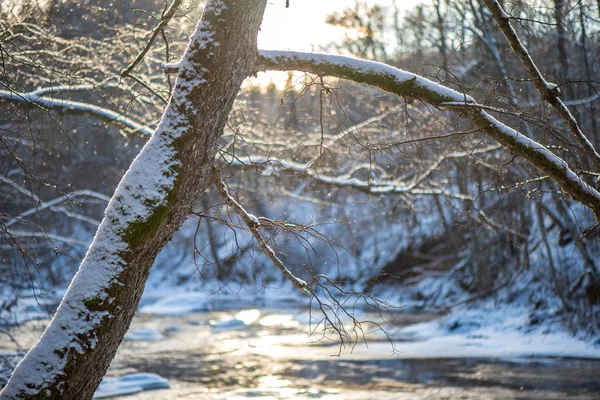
302, 26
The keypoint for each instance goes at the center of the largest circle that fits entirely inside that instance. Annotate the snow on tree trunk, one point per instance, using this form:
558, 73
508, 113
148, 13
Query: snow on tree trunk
151, 202
156, 194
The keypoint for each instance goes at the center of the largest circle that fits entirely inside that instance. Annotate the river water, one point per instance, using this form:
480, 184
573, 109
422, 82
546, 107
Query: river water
273, 356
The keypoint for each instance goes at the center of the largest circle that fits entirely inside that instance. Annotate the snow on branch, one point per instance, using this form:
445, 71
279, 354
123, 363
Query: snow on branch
75, 107
374, 186
20, 188
49, 90
51, 204
47, 235
390, 79
537, 154
408, 85
581, 102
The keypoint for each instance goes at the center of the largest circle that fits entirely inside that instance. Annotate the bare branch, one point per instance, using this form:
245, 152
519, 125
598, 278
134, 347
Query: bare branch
166, 17
548, 91
254, 224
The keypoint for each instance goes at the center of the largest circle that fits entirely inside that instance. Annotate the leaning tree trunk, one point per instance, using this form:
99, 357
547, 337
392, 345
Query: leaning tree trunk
150, 204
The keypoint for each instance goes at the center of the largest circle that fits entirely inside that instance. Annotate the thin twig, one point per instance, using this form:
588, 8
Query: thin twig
547, 90
254, 224
166, 17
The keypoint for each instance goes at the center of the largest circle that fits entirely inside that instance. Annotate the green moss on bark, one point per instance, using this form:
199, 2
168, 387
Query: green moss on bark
139, 232
93, 303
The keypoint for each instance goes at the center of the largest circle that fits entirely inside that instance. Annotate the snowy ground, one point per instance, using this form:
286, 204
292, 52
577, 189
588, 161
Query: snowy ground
130, 384
491, 332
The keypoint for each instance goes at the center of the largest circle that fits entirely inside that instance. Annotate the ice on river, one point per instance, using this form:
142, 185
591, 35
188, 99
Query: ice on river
177, 304
130, 384
493, 333
144, 334
229, 324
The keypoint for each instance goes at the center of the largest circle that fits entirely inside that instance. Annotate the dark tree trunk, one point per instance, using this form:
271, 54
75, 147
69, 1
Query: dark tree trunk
588, 72
561, 41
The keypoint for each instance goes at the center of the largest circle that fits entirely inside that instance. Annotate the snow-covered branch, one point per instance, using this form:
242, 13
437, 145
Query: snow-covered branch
52, 204
582, 102
408, 85
382, 185
47, 235
151, 202
120, 86
38, 98
385, 77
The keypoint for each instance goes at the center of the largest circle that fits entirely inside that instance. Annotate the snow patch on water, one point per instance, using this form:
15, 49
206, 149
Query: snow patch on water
177, 304
228, 325
130, 384
144, 335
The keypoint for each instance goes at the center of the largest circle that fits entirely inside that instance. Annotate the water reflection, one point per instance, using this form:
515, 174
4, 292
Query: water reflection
248, 316
272, 357
281, 320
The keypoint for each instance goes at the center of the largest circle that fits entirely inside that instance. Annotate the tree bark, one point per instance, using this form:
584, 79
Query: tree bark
561, 41
156, 194
153, 199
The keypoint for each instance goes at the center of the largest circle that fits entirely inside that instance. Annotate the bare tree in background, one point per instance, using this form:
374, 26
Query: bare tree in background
158, 191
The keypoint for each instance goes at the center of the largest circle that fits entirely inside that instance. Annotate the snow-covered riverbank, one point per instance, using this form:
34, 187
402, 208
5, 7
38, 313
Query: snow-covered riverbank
203, 346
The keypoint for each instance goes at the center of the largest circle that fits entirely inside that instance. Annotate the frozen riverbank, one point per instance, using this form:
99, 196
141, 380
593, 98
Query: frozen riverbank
267, 352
